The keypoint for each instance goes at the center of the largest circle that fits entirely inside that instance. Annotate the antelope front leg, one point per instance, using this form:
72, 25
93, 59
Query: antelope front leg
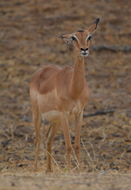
65, 126
79, 119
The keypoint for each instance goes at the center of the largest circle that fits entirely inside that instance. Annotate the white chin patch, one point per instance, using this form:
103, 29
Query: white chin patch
84, 55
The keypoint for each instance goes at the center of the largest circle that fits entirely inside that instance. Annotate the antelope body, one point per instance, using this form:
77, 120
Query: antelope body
57, 93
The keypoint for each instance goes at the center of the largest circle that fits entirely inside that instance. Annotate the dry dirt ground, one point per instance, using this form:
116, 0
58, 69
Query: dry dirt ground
29, 33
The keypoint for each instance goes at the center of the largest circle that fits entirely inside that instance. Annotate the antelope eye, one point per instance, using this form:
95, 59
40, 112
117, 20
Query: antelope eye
89, 38
73, 38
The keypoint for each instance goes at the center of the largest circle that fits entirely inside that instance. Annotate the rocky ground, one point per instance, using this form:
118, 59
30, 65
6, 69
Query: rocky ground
29, 33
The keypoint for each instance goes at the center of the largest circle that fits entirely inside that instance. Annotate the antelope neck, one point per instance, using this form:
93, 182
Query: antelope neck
78, 79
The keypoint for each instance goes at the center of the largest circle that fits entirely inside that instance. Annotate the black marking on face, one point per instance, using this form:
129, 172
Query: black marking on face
73, 38
80, 30
89, 38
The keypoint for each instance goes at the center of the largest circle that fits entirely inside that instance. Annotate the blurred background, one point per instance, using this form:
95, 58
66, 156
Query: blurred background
29, 33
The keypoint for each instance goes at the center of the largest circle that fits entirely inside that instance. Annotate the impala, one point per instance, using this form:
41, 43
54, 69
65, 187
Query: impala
57, 93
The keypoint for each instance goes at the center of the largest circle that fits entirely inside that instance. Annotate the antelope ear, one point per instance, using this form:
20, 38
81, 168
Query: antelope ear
67, 38
93, 27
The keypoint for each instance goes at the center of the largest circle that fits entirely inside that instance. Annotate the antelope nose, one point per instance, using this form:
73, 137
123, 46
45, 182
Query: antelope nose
84, 49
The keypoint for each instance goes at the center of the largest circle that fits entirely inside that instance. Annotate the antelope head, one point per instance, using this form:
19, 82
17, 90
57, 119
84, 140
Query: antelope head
81, 39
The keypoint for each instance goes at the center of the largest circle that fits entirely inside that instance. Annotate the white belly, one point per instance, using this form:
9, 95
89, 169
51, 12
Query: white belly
51, 115
55, 116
